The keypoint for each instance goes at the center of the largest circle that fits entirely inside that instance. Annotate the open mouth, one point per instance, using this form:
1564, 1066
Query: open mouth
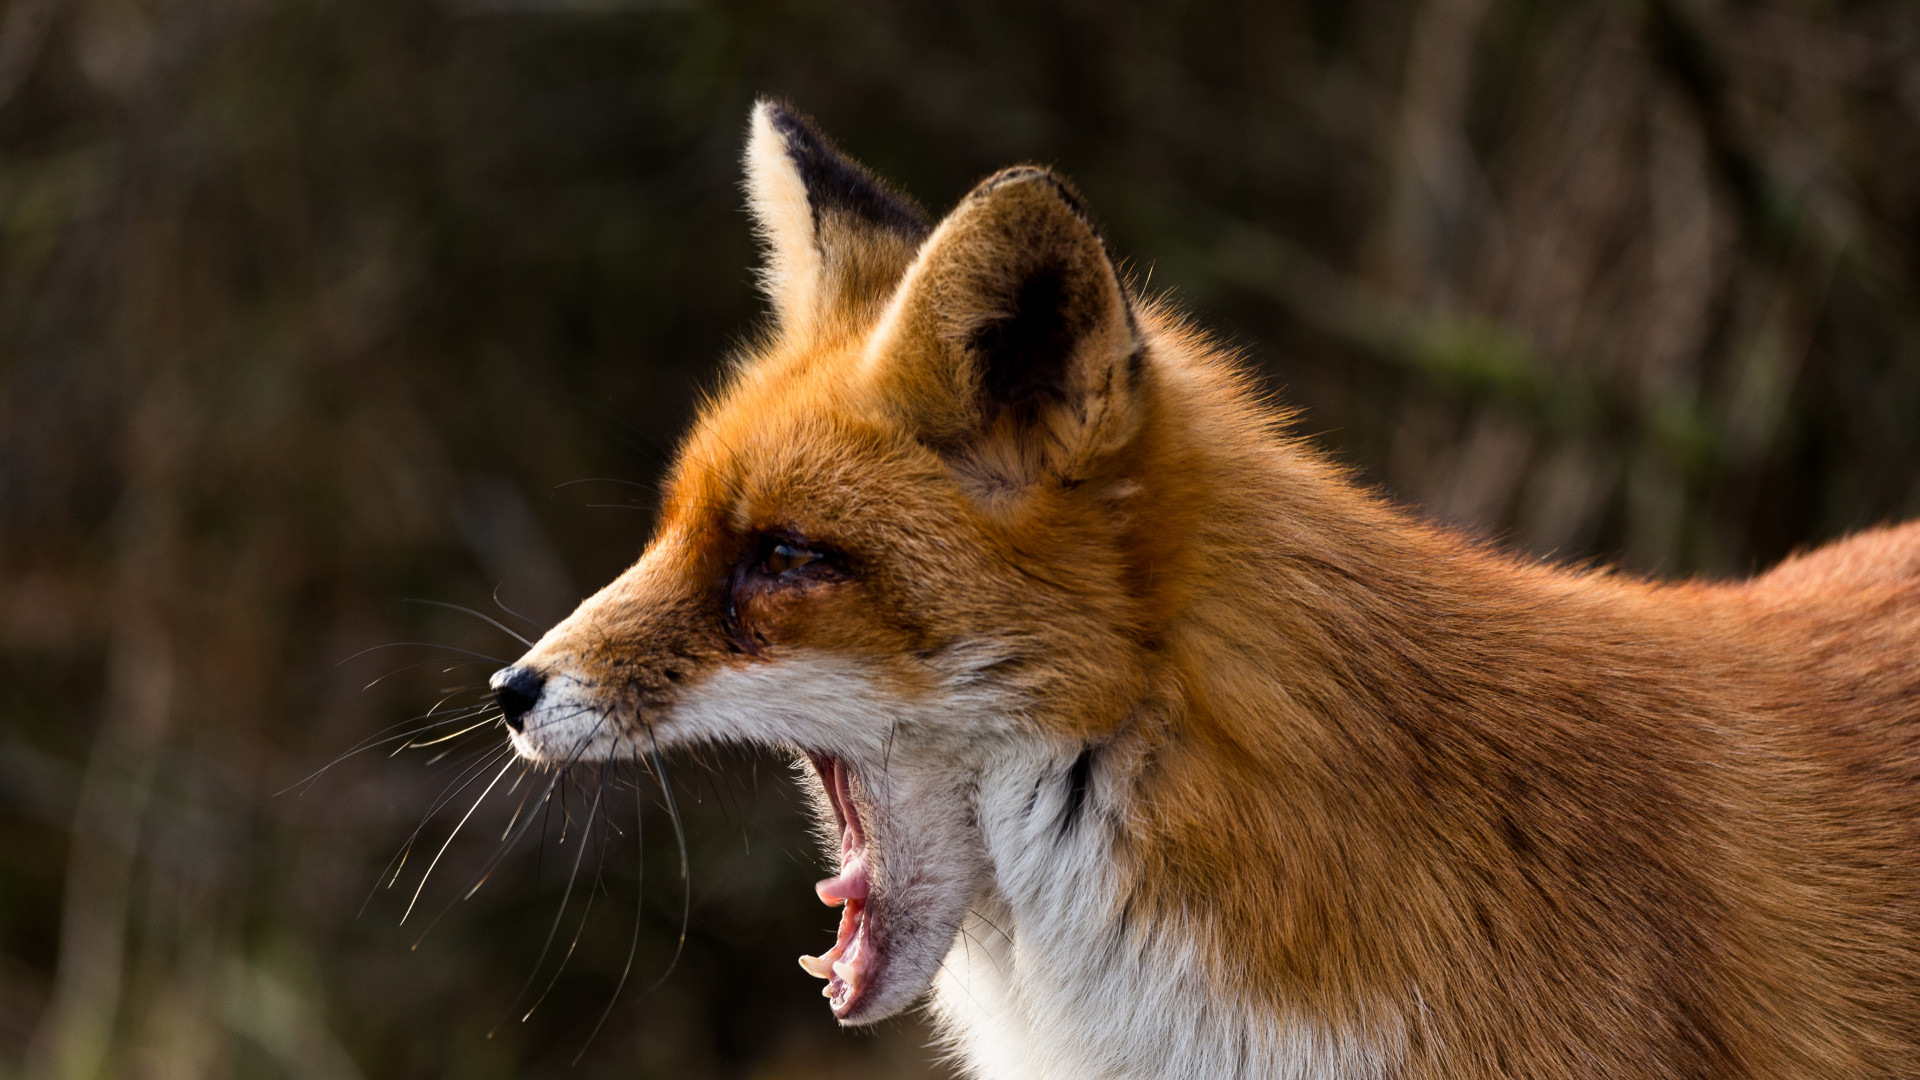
850, 966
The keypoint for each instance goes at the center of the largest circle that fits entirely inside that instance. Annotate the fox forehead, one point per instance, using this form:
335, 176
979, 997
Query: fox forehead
794, 444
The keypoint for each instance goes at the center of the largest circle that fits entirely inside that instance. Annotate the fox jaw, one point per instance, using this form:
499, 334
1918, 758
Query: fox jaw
899, 543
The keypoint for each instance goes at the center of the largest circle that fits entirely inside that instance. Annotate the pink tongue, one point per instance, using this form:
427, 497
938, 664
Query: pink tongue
845, 966
851, 884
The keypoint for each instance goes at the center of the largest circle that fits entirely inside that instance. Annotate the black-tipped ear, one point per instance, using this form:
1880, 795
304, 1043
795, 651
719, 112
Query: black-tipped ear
837, 240
1013, 325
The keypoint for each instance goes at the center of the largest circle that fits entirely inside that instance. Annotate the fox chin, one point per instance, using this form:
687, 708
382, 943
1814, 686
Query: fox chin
1153, 745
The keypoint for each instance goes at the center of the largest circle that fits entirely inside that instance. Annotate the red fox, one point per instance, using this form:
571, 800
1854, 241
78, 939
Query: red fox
1156, 746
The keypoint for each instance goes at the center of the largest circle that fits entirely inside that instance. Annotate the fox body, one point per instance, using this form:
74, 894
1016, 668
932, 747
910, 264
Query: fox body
1156, 746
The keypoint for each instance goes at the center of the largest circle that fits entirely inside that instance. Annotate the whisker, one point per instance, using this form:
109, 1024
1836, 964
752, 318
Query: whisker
486, 698
497, 602
489, 721
399, 861
499, 855
604, 416
376, 739
639, 914
488, 619
404, 852
996, 927
504, 833
552, 933
540, 852
508, 838
404, 738
466, 768
424, 645
418, 663
470, 769
994, 960
405, 745
604, 480
598, 878
443, 847
680, 836
572, 756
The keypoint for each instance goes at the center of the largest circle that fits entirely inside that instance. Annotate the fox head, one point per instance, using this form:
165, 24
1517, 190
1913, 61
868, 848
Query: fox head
907, 540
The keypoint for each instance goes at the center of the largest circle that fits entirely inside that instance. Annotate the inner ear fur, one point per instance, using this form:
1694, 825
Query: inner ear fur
836, 238
1011, 341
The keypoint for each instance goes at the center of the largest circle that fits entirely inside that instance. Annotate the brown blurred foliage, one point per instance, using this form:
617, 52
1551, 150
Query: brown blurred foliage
309, 309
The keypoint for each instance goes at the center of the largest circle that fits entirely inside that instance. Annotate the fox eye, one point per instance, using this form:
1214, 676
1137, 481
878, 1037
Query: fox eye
784, 557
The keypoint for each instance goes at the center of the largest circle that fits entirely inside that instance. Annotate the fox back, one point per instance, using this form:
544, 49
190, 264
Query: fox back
1153, 745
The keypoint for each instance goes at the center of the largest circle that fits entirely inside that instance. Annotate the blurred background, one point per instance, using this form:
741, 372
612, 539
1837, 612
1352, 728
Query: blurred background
313, 310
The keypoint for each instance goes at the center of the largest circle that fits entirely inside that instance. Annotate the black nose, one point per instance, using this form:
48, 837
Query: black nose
516, 689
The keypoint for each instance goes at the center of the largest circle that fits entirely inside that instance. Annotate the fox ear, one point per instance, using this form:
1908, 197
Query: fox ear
1011, 342
836, 239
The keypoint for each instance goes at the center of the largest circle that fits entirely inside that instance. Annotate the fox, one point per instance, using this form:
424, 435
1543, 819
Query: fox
1153, 743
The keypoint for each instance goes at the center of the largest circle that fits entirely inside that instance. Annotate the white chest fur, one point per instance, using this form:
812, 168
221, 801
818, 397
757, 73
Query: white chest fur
1048, 980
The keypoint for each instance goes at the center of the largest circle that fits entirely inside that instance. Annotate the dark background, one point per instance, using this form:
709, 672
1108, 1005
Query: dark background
311, 309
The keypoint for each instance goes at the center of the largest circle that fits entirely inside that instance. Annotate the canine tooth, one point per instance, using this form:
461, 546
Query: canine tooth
816, 967
845, 972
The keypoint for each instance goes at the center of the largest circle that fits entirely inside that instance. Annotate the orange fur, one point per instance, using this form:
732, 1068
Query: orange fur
1500, 817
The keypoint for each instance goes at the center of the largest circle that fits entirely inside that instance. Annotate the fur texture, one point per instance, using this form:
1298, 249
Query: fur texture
1179, 755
